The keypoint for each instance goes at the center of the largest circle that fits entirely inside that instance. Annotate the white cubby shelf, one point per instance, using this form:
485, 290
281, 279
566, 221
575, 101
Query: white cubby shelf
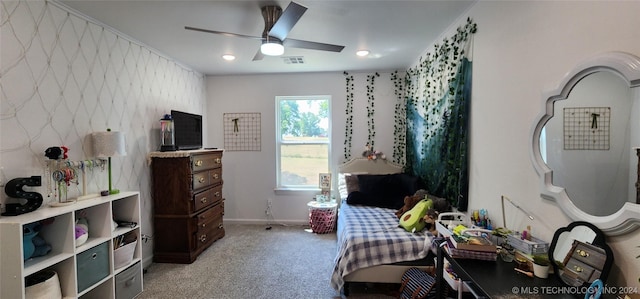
100, 213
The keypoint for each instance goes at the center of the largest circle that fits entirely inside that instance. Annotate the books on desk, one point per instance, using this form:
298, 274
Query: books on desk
457, 252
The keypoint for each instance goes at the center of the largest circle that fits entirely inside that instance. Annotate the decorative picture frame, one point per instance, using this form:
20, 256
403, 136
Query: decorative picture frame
325, 181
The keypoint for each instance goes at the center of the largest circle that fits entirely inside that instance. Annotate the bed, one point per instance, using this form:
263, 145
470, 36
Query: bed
371, 245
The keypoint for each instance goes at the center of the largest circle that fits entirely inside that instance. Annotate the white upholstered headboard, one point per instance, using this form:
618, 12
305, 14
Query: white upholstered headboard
364, 165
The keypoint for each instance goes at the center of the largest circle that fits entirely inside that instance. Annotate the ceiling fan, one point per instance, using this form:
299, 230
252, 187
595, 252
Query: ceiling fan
277, 25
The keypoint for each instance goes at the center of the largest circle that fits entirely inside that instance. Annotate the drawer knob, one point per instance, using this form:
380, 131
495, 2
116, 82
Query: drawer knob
578, 268
217, 194
201, 180
203, 238
215, 176
198, 163
582, 253
204, 225
94, 256
220, 225
203, 200
218, 160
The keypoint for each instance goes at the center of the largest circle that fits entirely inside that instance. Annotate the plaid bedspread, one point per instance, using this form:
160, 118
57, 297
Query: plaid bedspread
370, 236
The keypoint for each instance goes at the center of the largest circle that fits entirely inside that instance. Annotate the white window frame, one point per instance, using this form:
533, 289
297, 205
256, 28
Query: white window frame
284, 189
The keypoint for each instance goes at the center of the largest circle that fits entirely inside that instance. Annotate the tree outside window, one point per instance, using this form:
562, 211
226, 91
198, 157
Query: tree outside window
303, 140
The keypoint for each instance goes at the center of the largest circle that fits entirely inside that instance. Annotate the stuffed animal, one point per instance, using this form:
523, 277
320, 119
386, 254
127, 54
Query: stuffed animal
413, 220
81, 231
41, 246
34, 245
411, 201
440, 205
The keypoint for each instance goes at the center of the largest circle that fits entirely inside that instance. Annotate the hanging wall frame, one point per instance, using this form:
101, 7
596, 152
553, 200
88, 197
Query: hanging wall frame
242, 131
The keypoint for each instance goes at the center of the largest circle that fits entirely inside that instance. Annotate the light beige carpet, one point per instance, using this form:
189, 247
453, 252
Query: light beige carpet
252, 262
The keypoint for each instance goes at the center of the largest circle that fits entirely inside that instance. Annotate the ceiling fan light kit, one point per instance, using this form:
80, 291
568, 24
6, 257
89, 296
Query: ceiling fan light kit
272, 46
277, 24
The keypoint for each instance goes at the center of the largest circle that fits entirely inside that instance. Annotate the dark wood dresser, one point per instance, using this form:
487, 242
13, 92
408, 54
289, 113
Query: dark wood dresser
188, 204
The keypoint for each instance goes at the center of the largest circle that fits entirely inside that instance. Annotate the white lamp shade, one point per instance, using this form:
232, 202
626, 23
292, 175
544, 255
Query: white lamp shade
109, 144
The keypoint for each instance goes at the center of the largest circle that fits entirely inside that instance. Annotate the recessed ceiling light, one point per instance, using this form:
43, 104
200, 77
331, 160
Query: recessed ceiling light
362, 53
228, 57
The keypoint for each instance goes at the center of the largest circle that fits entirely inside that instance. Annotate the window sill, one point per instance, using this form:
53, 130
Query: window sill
294, 191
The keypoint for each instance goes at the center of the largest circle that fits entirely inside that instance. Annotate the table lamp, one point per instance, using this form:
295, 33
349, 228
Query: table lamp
106, 145
504, 219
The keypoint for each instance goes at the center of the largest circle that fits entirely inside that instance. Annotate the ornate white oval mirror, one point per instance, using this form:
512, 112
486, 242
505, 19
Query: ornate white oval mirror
584, 143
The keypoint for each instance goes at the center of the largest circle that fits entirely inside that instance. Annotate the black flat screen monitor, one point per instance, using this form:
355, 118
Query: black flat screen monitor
188, 130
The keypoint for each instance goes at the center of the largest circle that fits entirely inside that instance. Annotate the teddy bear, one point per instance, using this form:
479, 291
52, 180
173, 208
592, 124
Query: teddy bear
411, 201
440, 205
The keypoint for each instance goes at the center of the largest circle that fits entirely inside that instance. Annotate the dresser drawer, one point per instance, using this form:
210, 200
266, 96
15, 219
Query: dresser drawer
215, 176
206, 161
590, 255
210, 227
201, 180
207, 198
207, 178
206, 217
579, 269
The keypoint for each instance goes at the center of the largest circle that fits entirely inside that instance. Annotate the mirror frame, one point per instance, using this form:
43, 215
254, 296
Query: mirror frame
627, 67
599, 241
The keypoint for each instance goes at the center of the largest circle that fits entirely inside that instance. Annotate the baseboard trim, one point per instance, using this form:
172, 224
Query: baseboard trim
266, 222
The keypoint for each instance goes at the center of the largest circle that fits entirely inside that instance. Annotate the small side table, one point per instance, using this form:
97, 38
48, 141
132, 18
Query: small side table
322, 216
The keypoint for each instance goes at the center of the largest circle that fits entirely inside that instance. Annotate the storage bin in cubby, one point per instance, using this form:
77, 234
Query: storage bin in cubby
123, 255
93, 266
128, 282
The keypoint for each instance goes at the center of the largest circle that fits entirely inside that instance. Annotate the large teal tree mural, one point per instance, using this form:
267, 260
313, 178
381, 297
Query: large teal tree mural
438, 102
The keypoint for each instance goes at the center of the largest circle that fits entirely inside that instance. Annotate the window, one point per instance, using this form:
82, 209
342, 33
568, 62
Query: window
303, 141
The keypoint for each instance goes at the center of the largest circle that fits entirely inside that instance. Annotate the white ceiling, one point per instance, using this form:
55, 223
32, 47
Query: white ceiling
395, 31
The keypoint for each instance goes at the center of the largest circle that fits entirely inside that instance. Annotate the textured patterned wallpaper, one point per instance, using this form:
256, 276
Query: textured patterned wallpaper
63, 77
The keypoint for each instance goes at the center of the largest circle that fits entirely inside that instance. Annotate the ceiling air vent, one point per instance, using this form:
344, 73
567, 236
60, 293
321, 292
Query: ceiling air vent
293, 59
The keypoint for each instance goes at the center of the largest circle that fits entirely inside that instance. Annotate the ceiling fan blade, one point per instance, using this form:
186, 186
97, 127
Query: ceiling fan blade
258, 56
287, 20
296, 43
222, 33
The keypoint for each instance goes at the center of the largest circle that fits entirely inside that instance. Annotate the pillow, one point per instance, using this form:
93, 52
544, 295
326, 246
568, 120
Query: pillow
352, 183
347, 183
384, 190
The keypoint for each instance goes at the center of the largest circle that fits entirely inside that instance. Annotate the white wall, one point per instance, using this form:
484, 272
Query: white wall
249, 176
521, 49
63, 77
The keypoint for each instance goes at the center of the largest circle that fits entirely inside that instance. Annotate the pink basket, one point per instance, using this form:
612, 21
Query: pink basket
322, 221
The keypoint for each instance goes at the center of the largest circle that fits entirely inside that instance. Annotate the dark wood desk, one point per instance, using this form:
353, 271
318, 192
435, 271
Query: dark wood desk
488, 279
